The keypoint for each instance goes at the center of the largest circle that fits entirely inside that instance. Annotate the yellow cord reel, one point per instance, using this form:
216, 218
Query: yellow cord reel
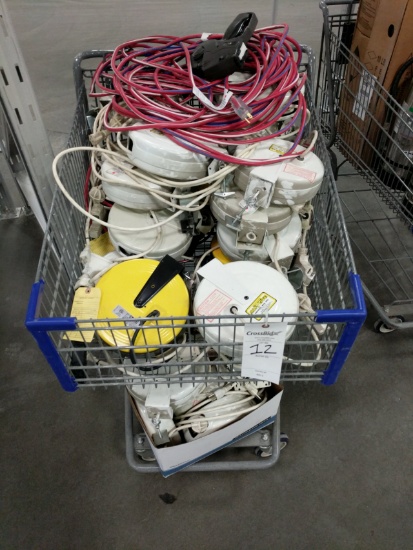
218, 254
136, 289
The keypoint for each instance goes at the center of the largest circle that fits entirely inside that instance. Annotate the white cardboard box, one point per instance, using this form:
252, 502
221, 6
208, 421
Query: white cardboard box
174, 459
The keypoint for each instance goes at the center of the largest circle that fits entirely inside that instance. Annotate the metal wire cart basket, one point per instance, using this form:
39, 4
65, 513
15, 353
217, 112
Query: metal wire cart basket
316, 351
373, 132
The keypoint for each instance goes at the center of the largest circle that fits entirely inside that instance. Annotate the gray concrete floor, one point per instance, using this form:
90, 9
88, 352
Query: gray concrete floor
344, 481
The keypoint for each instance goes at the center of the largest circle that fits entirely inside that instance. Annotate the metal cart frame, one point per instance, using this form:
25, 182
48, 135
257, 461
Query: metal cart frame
336, 296
378, 214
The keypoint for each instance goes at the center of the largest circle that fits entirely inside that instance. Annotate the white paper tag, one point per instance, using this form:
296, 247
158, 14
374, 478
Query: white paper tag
85, 305
366, 89
263, 349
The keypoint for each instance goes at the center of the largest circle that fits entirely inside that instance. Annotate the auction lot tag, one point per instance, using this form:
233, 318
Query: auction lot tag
85, 306
263, 349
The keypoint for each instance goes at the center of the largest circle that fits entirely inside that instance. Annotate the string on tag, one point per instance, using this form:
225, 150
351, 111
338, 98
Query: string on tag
266, 325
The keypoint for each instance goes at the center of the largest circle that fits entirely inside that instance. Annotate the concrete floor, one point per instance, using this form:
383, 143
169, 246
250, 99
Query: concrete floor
344, 481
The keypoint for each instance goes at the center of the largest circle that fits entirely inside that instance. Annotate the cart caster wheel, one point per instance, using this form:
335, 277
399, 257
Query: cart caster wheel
146, 456
263, 452
284, 439
143, 452
382, 328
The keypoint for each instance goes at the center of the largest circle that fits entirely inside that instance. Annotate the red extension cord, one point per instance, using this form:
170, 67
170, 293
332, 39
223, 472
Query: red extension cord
151, 80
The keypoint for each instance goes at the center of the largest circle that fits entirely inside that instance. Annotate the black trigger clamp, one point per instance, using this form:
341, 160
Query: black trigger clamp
216, 59
165, 271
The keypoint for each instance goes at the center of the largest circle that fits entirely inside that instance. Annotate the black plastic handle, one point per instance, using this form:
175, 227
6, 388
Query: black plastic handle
215, 59
242, 27
167, 269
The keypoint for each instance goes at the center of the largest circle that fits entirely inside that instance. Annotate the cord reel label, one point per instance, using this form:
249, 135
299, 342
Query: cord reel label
129, 319
277, 149
263, 303
302, 172
214, 304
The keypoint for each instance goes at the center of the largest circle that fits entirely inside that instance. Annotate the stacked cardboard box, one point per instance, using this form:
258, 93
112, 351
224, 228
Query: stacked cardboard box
382, 42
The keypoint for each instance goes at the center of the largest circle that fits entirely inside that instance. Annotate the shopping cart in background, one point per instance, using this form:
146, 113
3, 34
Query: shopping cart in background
317, 350
374, 134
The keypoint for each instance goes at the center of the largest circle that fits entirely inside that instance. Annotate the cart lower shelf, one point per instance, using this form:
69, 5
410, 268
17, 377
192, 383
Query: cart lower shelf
263, 448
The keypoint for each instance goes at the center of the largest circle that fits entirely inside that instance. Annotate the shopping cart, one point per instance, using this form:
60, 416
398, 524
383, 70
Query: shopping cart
364, 122
317, 350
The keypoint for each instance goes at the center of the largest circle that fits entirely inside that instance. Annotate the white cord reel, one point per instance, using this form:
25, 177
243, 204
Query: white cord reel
293, 181
155, 153
240, 288
168, 239
253, 219
288, 239
119, 188
248, 225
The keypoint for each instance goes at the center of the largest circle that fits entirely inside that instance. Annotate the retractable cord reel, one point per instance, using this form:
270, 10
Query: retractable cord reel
158, 186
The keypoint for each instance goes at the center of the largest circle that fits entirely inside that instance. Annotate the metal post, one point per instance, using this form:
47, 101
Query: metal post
22, 122
12, 202
274, 12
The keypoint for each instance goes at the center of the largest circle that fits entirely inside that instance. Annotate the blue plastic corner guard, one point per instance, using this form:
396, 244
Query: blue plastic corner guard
39, 328
354, 319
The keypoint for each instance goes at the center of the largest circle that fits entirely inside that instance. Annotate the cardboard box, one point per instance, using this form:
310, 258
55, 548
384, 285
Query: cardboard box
366, 16
403, 50
174, 459
382, 43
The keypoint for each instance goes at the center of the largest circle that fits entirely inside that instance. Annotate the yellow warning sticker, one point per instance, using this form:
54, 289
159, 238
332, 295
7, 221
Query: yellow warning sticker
85, 306
261, 305
277, 149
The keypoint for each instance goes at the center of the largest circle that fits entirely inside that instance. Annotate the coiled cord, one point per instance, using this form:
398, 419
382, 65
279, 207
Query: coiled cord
151, 80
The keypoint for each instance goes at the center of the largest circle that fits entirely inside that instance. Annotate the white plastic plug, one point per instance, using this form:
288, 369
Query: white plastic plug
253, 387
305, 305
98, 137
303, 263
241, 109
96, 195
220, 392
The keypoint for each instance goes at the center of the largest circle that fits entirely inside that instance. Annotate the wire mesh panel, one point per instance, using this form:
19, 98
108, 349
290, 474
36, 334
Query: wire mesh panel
375, 134
383, 249
366, 123
316, 350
